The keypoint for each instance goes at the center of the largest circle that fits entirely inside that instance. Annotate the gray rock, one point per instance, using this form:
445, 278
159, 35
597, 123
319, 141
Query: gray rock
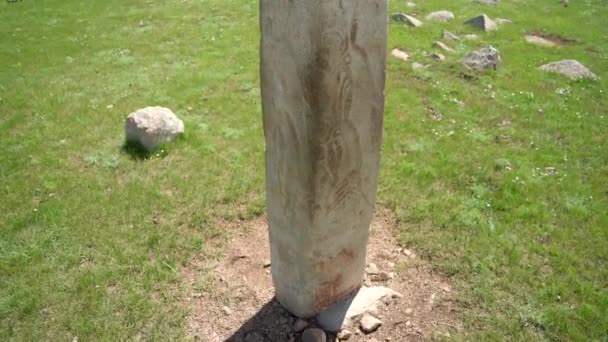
482, 22
570, 68
153, 126
406, 18
300, 325
483, 58
441, 16
313, 335
447, 35
369, 323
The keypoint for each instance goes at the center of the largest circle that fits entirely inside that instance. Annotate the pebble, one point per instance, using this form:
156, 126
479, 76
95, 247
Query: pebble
369, 323
300, 325
313, 335
226, 310
409, 312
344, 334
371, 269
438, 57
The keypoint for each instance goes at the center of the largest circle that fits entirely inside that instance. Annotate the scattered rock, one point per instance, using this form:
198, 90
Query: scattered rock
447, 35
152, 126
300, 325
344, 312
470, 36
372, 269
570, 68
482, 22
536, 40
442, 46
408, 19
408, 253
400, 54
483, 58
369, 323
344, 335
502, 21
267, 264
313, 335
441, 16
438, 57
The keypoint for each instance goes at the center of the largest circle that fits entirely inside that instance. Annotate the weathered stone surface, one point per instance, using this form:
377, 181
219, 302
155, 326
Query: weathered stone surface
400, 54
441, 16
345, 312
482, 22
322, 80
406, 18
299, 325
313, 335
447, 35
344, 335
570, 68
369, 323
484, 58
371, 269
153, 126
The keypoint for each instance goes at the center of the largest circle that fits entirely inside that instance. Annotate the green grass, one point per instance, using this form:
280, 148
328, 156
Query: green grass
92, 239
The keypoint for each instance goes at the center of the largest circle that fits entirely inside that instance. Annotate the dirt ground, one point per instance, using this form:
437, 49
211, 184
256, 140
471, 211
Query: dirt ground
230, 295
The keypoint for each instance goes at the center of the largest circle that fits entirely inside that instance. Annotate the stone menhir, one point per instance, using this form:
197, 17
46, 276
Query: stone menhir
322, 82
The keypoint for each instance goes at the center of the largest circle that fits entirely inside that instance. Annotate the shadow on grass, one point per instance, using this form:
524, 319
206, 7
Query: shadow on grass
136, 150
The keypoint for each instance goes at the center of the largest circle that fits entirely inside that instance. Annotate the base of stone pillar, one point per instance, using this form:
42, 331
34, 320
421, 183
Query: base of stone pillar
348, 310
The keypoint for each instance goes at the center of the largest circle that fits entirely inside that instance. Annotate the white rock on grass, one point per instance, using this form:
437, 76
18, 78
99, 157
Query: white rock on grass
447, 35
442, 46
400, 54
536, 40
151, 127
406, 18
570, 68
442, 16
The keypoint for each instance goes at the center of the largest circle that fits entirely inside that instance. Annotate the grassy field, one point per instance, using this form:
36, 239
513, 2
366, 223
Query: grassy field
92, 239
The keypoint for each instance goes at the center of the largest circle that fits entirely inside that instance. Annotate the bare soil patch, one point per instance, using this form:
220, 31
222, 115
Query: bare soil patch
230, 296
553, 38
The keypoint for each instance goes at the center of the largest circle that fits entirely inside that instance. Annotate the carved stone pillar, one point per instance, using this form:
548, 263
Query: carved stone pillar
322, 81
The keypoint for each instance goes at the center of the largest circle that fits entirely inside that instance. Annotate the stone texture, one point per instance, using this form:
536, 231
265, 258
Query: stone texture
369, 323
299, 325
570, 68
484, 58
345, 312
482, 22
322, 82
441, 16
313, 335
406, 18
151, 127
344, 335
